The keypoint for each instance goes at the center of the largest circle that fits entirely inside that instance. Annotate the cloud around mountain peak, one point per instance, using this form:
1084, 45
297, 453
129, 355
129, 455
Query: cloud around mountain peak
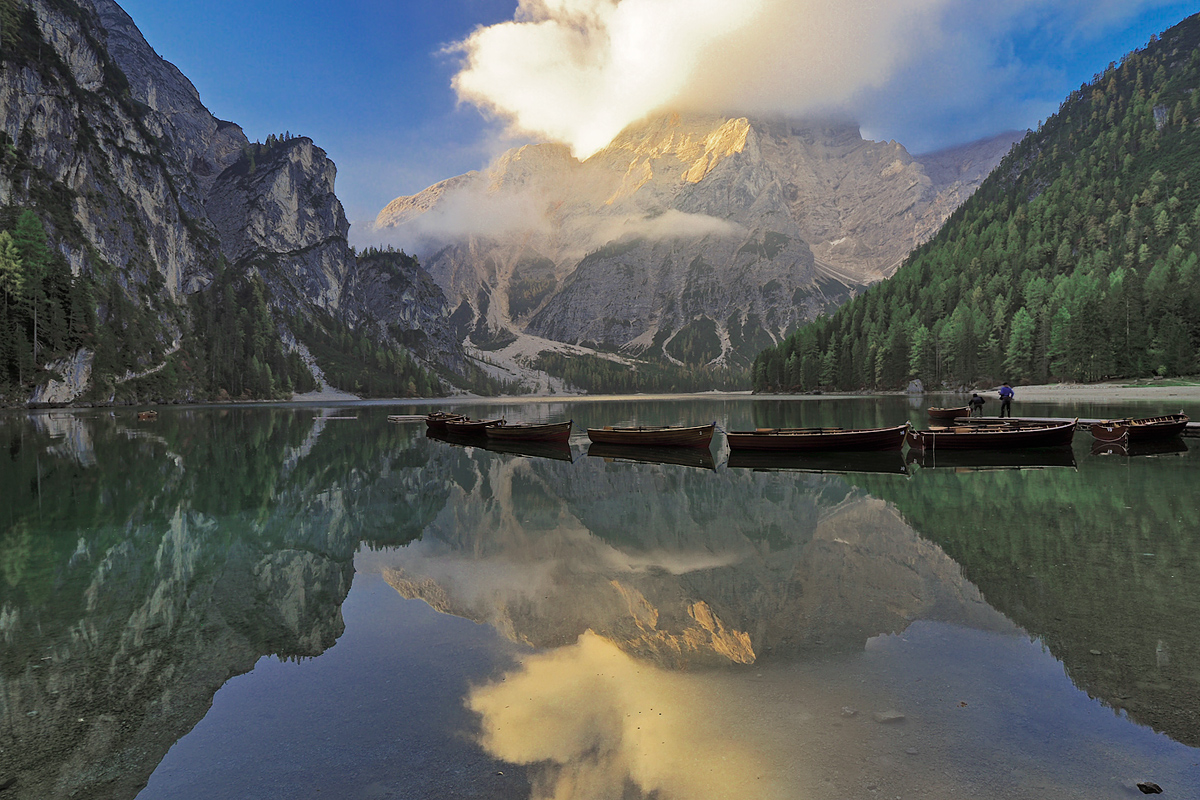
580, 71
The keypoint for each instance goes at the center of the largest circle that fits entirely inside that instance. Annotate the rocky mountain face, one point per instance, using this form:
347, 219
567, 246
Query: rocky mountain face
145, 192
693, 239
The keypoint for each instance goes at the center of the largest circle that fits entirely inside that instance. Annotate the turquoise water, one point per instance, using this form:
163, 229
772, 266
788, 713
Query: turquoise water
262, 602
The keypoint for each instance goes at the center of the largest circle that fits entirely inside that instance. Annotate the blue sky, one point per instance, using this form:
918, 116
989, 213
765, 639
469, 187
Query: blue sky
370, 81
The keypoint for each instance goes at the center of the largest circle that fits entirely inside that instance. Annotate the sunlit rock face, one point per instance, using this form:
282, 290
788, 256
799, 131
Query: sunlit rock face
668, 572
694, 238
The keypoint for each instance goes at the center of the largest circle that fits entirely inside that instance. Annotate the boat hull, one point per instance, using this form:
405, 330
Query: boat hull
657, 436
1146, 429
555, 432
949, 413
818, 439
1110, 432
438, 419
976, 437
470, 427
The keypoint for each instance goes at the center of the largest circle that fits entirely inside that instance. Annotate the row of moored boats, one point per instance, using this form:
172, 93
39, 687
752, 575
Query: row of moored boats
962, 433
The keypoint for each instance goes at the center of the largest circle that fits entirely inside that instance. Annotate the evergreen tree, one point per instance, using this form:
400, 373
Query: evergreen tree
1076, 259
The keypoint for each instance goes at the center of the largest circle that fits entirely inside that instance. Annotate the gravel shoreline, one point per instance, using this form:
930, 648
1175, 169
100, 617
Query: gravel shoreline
1101, 393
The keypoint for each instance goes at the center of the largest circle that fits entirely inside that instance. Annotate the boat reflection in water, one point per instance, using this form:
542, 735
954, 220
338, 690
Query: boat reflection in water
701, 458
1162, 447
878, 462
558, 451
987, 460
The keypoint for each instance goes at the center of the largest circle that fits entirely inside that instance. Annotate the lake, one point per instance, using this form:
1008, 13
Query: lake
302, 602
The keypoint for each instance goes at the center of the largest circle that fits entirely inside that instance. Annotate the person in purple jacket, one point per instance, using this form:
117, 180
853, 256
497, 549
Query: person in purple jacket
1006, 396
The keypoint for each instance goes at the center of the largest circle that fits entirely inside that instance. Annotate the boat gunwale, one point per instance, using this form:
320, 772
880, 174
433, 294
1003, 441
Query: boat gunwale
967, 437
530, 431
819, 439
655, 435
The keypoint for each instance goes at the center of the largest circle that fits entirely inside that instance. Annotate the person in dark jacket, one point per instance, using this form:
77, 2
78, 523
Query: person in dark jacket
1006, 396
976, 404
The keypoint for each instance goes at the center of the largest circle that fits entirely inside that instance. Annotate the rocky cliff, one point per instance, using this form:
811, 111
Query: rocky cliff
146, 194
693, 239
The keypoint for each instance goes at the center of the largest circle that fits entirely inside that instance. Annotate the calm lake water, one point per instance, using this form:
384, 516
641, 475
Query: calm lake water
300, 602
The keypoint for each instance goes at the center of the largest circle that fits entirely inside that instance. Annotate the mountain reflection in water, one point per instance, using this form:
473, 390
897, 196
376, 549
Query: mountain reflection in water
143, 565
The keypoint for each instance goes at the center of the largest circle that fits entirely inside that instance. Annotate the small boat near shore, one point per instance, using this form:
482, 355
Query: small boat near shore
470, 427
989, 437
1145, 429
655, 435
438, 419
949, 413
530, 432
818, 439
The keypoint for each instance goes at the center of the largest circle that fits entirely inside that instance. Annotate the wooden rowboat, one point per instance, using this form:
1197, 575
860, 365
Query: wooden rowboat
470, 427
438, 419
655, 435
797, 439
528, 432
987, 437
1145, 429
949, 413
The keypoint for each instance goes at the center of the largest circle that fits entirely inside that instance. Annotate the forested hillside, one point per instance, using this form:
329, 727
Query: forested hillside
1075, 260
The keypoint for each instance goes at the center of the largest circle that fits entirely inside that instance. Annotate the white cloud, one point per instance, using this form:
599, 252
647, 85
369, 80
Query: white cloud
579, 71
671, 224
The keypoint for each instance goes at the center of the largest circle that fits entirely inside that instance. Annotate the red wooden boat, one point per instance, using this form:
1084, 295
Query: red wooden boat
470, 427
655, 435
1146, 429
795, 439
438, 419
987, 437
949, 413
529, 432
